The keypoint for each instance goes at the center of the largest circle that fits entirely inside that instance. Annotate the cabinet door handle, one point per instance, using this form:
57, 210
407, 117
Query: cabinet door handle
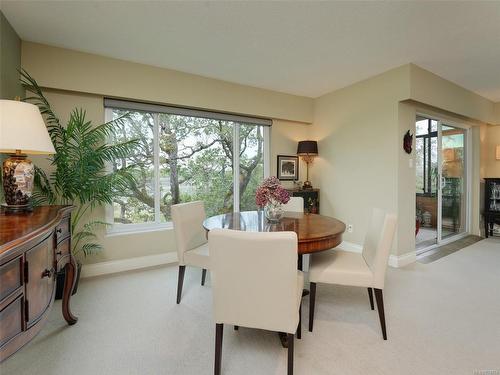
59, 230
59, 253
47, 273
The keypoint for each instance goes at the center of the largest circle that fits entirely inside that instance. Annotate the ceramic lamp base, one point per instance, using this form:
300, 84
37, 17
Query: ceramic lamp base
18, 176
307, 185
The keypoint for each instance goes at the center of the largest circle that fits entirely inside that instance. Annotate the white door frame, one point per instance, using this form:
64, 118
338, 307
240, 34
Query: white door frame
440, 184
467, 176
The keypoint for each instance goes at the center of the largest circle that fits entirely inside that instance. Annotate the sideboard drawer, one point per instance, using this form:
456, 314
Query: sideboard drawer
10, 274
11, 320
63, 230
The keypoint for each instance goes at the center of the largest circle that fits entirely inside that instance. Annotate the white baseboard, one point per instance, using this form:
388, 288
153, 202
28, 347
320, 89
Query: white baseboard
349, 246
394, 260
398, 261
114, 266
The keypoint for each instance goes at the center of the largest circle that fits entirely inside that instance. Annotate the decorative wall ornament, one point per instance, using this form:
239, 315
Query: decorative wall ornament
408, 142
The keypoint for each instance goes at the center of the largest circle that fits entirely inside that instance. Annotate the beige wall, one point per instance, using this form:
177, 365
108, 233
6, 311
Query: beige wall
491, 140
356, 128
65, 69
430, 89
284, 137
77, 79
10, 60
405, 234
360, 131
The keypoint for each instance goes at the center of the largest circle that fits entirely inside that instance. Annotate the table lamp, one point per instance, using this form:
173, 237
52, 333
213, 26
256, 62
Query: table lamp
22, 131
307, 150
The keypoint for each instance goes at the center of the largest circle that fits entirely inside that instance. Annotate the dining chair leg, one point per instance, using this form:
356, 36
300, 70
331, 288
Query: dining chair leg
370, 295
180, 281
380, 307
236, 328
219, 330
312, 300
203, 276
299, 327
290, 354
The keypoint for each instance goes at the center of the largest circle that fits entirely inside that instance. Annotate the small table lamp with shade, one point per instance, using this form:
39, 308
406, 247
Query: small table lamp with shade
307, 150
22, 131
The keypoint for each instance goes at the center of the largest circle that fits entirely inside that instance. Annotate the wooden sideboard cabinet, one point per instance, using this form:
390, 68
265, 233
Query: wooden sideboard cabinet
33, 247
311, 199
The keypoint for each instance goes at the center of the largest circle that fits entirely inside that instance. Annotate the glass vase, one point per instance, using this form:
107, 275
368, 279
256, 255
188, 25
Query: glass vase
273, 212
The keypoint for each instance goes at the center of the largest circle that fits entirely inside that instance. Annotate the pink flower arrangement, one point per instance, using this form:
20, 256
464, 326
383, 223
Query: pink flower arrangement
271, 192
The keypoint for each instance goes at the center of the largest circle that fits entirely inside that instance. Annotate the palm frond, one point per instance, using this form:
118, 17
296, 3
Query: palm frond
81, 176
91, 248
82, 235
31, 86
43, 193
94, 224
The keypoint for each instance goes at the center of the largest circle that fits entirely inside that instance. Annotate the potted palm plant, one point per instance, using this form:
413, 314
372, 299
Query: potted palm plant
79, 175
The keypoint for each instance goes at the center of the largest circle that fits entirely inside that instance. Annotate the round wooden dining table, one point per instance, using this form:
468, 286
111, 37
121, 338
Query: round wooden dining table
315, 232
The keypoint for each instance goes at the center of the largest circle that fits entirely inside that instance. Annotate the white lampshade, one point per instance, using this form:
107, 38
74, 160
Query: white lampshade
22, 128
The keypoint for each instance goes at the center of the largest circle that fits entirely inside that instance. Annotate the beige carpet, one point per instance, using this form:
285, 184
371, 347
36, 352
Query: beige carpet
443, 318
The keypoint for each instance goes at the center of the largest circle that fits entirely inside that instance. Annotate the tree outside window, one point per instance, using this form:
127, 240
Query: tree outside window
185, 158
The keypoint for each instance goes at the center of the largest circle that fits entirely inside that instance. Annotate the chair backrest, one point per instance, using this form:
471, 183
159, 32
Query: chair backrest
254, 279
378, 243
188, 226
295, 204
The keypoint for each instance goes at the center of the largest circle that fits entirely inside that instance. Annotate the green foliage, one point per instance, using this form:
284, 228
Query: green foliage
195, 163
81, 176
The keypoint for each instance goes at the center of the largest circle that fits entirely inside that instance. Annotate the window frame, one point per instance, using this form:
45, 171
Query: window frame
238, 120
427, 170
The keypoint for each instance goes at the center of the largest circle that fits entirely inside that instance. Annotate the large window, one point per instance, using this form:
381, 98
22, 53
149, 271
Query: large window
187, 155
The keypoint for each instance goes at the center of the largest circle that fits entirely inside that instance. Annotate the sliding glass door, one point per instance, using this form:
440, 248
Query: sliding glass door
453, 189
441, 182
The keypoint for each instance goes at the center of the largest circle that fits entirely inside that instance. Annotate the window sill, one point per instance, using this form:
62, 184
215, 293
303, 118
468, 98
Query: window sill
127, 229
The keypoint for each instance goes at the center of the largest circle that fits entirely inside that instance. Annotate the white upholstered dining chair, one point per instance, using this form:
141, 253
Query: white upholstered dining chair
192, 244
255, 284
364, 270
295, 204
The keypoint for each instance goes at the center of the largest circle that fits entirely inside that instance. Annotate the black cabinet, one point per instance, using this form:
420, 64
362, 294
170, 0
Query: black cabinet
491, 204
311, 199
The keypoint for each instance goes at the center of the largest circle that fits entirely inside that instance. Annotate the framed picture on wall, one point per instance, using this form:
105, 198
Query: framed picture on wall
288, 167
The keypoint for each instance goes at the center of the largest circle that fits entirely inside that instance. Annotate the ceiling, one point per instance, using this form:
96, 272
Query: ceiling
303, 48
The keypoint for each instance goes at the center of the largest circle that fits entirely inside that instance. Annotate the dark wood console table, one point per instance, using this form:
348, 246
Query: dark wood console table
33, 247
311, 199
